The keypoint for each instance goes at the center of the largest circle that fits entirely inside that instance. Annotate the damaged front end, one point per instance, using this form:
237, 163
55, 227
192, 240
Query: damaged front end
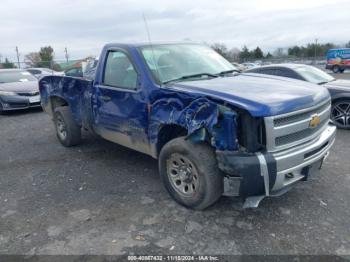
234, 134
252, 166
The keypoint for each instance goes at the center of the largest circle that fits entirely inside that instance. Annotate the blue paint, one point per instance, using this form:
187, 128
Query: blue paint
137, 116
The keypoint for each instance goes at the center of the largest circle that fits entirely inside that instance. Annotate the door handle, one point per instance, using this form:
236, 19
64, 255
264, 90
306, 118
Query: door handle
105, 98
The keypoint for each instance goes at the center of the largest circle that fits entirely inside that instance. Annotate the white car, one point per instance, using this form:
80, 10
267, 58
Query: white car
39, 72
249, 65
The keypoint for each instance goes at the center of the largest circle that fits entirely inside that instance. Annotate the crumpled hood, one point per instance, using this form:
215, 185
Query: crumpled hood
261, 95
20, 87
339, 84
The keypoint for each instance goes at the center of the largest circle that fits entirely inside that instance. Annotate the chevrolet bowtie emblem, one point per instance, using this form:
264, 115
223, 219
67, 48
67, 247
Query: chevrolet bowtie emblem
315, 121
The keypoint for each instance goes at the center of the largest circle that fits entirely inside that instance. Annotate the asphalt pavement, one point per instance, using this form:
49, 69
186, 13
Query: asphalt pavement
101, 198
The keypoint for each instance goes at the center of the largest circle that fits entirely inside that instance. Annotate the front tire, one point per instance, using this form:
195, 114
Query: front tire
67, 130
335, 69
190, 173
340, 113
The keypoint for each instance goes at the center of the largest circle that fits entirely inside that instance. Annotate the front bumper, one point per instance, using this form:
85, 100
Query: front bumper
255, 176
17, 102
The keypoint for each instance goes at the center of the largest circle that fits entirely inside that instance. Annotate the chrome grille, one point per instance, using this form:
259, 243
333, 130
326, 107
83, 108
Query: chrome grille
293, 137
287, 130
297, 117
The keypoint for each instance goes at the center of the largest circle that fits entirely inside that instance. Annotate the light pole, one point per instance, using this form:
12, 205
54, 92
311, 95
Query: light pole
66, 54
19, 65
315, 50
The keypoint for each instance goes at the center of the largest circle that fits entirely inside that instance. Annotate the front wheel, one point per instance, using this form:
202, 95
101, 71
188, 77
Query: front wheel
67, 130
341, 113
190, 173
336, 69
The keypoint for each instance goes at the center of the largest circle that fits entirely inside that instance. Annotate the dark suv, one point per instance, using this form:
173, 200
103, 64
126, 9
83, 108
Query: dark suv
339, 89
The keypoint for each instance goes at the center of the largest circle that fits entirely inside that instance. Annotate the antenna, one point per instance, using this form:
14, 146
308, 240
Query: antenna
151, 45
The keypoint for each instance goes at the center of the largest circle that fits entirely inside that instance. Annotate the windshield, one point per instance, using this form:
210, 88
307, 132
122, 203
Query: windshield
314, 75
172, 62
16, 76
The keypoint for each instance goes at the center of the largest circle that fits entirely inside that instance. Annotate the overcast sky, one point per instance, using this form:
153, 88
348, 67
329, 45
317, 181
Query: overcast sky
83, 26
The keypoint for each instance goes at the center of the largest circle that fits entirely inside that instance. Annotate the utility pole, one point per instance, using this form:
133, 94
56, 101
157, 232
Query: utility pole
66, 54
315, 50
19, 65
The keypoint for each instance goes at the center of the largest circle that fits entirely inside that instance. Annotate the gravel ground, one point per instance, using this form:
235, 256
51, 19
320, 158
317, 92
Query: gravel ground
101, 198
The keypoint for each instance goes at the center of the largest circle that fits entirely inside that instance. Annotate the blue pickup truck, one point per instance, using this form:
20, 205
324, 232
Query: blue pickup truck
214, 131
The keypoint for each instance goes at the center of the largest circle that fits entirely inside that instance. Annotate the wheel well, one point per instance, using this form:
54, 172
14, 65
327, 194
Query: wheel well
340, 99
167, 133
57, 101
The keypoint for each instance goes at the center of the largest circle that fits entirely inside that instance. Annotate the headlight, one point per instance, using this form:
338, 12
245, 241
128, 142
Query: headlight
6, 93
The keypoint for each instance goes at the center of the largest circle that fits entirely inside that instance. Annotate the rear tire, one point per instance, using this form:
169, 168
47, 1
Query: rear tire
190, 173
340, 113
67, 130
335, 69
341, 70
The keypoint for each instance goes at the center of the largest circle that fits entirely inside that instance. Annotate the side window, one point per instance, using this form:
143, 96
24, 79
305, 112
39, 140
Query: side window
34, 71
268, 71
287, 73
119, 71
281, 72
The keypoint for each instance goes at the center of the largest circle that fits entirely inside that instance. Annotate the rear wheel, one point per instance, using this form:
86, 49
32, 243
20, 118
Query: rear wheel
190, 173
341, 113
341, 70
2, 111
335, 69
67, 130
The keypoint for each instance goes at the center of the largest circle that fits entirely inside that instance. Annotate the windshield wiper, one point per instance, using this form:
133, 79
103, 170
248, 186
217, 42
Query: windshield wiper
227, 72
190, 76
325, 82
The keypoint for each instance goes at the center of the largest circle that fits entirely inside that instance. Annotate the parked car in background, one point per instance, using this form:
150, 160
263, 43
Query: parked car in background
239, 67
18, 90
338, 60
247, 66
339, 89
76, 72
39, 72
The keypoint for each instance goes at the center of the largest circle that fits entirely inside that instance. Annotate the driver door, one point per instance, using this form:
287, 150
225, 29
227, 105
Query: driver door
120, 109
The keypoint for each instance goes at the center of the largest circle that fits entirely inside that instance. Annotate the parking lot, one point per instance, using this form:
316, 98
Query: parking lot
101, 198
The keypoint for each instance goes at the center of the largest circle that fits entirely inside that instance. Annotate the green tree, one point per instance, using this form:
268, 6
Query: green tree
268, 55
7, 64
257, 53
347, 45
46, 57
294, 51
245, 54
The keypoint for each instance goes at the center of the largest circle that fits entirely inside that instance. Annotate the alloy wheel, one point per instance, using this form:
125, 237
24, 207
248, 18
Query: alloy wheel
341, 114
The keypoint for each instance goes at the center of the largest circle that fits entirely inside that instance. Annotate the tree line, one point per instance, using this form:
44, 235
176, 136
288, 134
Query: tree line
45, 56
303, 51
